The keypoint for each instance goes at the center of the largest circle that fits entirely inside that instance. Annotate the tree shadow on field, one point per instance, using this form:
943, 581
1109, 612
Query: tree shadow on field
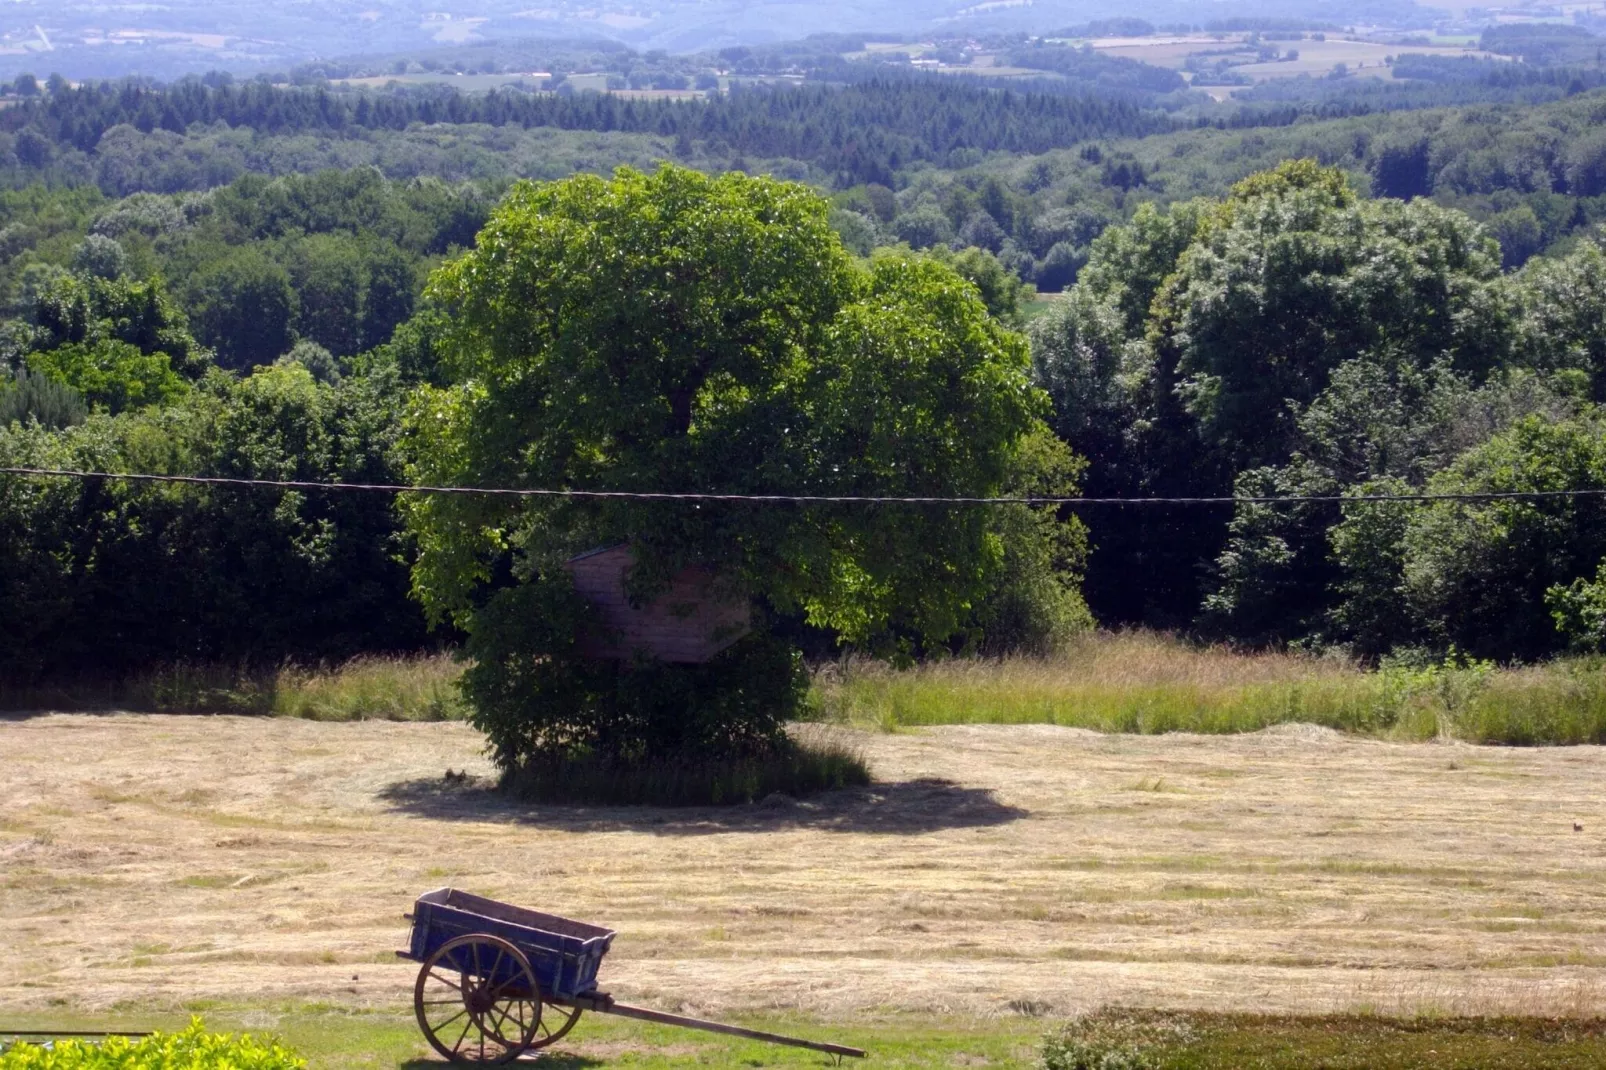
904, 808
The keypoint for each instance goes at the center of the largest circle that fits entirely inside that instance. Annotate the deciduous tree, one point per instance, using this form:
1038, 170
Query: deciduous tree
673, 332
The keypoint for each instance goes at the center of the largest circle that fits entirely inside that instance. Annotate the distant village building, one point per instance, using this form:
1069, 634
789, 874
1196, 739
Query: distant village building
689, 623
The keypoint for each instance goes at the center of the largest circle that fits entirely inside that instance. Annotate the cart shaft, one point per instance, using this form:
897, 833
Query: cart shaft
603, 1004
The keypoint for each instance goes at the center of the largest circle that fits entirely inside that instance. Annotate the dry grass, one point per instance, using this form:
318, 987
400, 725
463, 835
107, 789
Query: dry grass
151, 861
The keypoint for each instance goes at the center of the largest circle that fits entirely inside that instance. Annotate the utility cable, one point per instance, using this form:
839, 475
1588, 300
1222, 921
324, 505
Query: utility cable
807, 499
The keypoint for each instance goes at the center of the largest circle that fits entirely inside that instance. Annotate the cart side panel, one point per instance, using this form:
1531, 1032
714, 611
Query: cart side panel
515, 915
565, 965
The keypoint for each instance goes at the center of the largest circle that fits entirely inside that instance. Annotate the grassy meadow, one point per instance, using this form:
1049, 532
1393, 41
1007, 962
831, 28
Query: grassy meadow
329, 1039
420, 688
1115, 682
1145, 683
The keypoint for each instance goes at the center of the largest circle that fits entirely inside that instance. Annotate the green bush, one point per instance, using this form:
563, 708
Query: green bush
1061, 1052
192, 1049
1477, 573
793, 767
1115, 1040
1579, 610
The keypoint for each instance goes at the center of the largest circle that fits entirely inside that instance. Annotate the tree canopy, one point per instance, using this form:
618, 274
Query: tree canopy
675, 332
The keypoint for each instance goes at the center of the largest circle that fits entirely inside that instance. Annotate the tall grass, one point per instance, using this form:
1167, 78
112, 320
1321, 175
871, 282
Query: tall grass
1146, 683
421, 688
1133, 682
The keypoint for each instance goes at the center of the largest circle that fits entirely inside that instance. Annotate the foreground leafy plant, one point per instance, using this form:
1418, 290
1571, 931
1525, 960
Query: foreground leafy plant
191, 1049
1113, 1040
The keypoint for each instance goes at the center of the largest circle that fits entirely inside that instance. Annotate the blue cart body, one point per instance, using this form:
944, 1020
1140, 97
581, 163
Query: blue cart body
565, 954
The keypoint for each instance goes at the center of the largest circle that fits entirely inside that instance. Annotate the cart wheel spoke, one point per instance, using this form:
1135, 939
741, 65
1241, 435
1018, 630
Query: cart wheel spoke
442, 1025
502, 1020
463, 1035
445, 981
553, 1025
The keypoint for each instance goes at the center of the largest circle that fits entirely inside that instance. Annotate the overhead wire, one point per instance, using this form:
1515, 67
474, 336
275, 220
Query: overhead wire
807, 499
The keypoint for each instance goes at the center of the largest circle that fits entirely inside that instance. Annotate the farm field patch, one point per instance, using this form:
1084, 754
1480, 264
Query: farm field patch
1315, 57
157, 861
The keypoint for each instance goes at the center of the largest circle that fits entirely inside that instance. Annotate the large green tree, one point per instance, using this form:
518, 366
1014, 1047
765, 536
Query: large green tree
674, 332
243, 306
1282, 341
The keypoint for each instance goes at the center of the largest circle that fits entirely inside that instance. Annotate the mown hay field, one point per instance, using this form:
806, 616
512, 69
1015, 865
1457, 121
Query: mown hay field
151, 861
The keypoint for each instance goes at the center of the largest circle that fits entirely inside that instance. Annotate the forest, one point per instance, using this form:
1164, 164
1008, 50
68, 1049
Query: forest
1413, 306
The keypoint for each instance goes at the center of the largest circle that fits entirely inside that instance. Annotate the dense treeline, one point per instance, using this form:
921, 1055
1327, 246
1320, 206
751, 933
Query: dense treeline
212, 334
272, 329
1292, 339
866, 131
1419, 82
1525, 171
1297, 340
110, 577
1531, 175
1110, 73
1363, 323
1544, 43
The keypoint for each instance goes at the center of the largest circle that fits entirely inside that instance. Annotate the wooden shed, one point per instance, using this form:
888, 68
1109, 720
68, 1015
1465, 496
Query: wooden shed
689, 623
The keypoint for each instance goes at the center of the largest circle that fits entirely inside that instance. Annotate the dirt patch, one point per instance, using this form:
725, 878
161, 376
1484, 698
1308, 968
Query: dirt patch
157, 860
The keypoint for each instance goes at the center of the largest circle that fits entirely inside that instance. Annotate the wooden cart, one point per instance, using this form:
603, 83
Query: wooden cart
497, 981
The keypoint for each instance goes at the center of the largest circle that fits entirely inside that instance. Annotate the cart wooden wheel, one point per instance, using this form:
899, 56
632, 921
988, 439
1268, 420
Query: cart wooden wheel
556, 1021
477, 1000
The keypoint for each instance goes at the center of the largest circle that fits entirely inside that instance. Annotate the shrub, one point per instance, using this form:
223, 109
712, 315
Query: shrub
1061, 1052
794, 767
191, 1049
1579, 610
1116, 1040
1477, 573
